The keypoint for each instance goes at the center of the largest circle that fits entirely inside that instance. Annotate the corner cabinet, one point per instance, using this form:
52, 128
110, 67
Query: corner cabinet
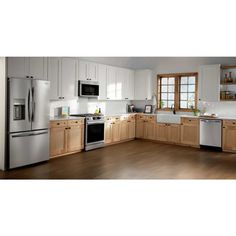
143, 85
27, 67
209, 83
62, 74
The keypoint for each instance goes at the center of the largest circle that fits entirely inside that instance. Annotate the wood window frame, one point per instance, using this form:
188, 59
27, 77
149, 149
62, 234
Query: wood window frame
177, 77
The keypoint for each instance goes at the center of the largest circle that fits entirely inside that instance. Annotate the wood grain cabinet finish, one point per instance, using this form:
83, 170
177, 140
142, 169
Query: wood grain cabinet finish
119, 129
229, 135
161, 133
66, 137
145, 127
190, 131
174, 133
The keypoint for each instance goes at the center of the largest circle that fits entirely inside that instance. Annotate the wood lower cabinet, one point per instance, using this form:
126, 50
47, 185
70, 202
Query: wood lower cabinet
161, 132
66, 137
174, 133
229, 135
119, 128
190, 131
112, 130
75, 139
57, 141
145, 127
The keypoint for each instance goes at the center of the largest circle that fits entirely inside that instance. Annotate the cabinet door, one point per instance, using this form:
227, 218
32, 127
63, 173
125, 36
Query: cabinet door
190, 134
116, 131
102, 79
75, 138
93, 71
161, 133
83, 70
174, 133
54, 77
142, 85
229, 138
17, 67
38, 67
140, 129
120, 83
57, 141
209, 83
149, 130
131, 129
124, 131
68, 78
130, 90
108, 132
111, 82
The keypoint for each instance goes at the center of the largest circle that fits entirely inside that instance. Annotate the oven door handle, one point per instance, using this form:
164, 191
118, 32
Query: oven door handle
95, 122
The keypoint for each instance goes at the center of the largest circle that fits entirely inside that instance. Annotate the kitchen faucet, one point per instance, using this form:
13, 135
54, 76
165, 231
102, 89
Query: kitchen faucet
173, 108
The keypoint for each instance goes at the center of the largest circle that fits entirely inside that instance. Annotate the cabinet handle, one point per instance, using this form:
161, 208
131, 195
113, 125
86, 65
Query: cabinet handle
126, 98
27, 76
31, 77
223, 127
233, 123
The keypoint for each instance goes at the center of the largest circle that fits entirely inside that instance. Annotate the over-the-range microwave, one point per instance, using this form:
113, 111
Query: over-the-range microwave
88, 89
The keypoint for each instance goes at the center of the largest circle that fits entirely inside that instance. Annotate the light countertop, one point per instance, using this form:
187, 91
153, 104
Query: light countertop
66, 118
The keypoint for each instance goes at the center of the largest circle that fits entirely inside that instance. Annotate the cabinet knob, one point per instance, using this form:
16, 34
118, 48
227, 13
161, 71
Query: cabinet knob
27, 76
199, 99
31, 77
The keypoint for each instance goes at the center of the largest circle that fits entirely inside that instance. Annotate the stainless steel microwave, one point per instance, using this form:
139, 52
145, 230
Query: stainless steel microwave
88, 89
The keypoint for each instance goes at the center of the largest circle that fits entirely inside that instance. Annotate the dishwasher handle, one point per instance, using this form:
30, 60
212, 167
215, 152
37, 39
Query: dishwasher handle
210, 121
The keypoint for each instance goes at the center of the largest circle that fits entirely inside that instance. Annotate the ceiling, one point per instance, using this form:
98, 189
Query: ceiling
154, 62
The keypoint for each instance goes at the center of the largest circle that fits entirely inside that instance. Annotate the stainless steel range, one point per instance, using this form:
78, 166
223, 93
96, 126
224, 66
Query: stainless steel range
94, 130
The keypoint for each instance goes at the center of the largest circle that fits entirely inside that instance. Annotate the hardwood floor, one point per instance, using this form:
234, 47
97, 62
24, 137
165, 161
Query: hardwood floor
134, 160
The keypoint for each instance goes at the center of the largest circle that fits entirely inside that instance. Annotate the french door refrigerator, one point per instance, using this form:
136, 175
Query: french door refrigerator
28, 121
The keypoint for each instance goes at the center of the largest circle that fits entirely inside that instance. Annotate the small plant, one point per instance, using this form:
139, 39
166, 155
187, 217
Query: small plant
161, 104
196, 112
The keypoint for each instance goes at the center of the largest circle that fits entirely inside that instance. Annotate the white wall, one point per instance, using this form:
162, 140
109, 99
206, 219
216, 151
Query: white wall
184, 64
2, 111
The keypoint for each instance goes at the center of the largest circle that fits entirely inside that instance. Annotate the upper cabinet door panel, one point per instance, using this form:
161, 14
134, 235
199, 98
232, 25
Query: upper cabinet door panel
209, 83
131, 85
102, 79
68, 77
17, 67
92, 71
111, 82
142, 85
83, 70
54, 77
121, 79
38, 67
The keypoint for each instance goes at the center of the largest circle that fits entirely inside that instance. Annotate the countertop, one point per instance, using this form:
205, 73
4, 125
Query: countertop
66, 118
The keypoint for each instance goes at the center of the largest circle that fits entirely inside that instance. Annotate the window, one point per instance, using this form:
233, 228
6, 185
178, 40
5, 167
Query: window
177, 90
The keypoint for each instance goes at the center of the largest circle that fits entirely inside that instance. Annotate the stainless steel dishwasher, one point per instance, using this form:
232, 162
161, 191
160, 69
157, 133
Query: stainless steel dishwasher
210, 133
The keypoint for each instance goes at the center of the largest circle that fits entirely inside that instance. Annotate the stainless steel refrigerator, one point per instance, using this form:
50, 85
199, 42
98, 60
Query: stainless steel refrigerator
28, 121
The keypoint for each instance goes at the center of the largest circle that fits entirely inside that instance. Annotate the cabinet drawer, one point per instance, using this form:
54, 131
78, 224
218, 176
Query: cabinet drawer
75, 122
54, 124
229, 122
141, 117
108, 118
151, 118
193, 121
131, 117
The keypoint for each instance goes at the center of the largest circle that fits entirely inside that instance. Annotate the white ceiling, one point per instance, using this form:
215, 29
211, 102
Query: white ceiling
154, 62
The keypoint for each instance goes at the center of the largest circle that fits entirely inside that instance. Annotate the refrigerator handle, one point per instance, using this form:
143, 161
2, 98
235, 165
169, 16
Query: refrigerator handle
33, 105
29, 105
29, 134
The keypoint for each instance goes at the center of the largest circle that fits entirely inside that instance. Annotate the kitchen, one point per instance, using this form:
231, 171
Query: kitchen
92, 103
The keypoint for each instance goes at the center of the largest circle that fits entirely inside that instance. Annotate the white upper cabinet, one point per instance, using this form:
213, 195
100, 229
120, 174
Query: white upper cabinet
111, 82
209, 83
129, 86
88, 71
142, 85
62, 74
38, 67
54, 77
16, 67
68, 77
102, 79
27, 67
122, 77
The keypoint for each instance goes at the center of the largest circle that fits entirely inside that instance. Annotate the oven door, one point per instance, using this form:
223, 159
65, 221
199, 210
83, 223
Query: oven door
87, 89
94, 132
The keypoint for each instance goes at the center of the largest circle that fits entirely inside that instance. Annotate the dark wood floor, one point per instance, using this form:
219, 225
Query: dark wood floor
134, 160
